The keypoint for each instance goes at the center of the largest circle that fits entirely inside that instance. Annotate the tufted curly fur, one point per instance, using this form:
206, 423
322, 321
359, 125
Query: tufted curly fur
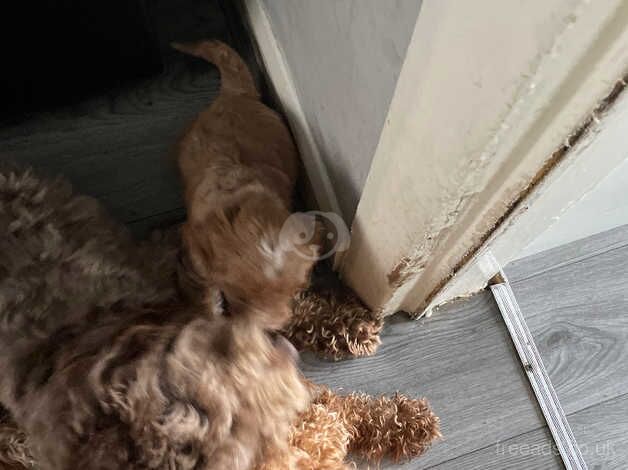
333, 323
89, 367
321, 438
396, 428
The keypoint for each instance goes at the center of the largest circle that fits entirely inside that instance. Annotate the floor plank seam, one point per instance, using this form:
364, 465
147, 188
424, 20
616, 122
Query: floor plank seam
156, 214
530, 431
570, 262
593, 405
486, 447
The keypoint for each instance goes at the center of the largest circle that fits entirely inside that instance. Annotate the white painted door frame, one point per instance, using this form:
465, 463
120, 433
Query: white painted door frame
320, 190
471, 163
600, 146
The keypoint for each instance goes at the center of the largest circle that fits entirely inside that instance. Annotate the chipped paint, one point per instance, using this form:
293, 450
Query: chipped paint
466, 154
519, 202
411, 267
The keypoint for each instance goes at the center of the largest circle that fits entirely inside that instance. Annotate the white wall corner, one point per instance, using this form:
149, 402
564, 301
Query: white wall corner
281, 80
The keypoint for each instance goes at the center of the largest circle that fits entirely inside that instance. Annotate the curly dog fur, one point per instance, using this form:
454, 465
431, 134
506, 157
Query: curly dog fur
327, 318
369, 428
89, 367
333, 323
321, 438
73, 258
239, 166
107, 365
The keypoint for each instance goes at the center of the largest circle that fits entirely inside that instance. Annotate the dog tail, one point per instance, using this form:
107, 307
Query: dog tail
235, 75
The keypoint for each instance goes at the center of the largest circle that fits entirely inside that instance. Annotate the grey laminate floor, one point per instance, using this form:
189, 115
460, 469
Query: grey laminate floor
463, 361
117, 146
575, 299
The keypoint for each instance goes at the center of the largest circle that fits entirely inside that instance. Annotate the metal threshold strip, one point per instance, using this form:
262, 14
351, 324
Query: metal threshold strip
537, 374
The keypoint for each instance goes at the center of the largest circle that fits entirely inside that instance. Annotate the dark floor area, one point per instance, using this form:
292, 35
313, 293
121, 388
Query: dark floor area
117, 146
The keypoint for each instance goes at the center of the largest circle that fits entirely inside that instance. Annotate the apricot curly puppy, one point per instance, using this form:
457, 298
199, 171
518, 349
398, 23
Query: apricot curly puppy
239, 167
98, 379
370, 429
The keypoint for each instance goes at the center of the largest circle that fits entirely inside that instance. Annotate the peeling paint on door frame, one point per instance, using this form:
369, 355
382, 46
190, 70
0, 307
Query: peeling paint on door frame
433, 198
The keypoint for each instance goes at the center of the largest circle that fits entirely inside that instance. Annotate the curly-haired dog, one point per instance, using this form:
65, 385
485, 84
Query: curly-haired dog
75, 259
104, 383
239, 166
371, 429
322, 437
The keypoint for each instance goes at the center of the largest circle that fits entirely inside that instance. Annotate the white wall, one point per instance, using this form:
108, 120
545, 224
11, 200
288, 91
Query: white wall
344, 57
603, 208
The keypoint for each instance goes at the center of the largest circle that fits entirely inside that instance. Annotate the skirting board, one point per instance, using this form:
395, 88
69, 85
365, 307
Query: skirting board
286, 93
